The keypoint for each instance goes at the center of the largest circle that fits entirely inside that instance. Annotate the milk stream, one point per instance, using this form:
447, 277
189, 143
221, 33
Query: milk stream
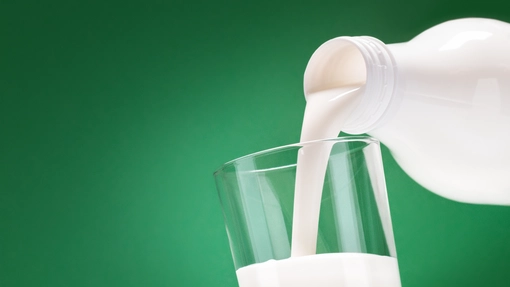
325, 115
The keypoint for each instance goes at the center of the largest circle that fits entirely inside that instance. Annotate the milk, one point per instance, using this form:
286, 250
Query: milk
325, 114
323, 270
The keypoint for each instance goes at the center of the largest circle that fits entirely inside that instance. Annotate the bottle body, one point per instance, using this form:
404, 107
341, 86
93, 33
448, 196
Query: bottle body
448, 121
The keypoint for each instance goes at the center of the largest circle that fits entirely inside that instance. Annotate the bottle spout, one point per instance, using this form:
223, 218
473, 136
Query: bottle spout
350, 61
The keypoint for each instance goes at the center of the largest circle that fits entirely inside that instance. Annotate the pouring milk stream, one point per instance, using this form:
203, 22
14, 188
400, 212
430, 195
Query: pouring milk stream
440, 103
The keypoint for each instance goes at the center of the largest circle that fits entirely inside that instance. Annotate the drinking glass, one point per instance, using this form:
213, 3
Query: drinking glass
354, 243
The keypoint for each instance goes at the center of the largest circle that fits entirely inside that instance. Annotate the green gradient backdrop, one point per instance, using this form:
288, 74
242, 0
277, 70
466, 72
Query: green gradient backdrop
113, 116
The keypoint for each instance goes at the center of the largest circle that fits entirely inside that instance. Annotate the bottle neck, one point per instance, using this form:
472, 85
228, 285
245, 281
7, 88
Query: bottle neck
363, 61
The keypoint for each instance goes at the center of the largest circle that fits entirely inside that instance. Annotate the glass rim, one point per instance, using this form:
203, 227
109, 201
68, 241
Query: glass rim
355, 138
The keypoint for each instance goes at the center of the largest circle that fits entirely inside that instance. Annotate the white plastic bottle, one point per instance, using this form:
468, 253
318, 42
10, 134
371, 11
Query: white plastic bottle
440, 103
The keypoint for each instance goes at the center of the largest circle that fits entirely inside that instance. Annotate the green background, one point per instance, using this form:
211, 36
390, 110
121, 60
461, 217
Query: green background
114, 114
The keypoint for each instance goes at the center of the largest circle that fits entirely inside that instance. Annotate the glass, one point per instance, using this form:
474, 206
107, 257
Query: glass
257, 198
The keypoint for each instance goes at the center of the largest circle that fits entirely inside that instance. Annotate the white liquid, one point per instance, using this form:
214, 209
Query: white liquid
325, 115
323, 270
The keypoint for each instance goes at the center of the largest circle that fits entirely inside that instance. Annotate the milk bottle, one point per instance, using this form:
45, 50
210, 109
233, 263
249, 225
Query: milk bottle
440, 103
